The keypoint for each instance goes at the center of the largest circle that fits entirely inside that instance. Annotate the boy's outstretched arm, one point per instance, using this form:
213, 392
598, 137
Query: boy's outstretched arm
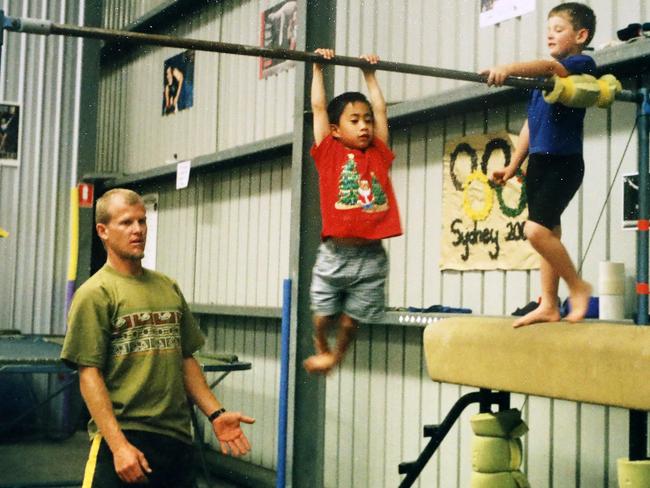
376, 100
531, 69
500, 176
319, 100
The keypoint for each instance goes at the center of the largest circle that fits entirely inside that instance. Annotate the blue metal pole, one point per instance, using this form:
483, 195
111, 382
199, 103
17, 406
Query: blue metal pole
642, 227
284, 383
638, 422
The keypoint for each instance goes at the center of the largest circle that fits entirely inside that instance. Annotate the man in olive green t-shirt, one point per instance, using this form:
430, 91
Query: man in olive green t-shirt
132, 336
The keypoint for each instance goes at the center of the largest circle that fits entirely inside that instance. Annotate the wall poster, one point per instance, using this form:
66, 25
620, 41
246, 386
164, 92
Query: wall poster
9, 134
279, 30
495, 11
483, 223
178, 83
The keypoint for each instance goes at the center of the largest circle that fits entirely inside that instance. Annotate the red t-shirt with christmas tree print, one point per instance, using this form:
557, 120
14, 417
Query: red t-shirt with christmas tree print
356, 195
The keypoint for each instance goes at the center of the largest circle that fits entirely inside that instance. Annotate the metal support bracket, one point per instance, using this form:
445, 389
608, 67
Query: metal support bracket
485, 398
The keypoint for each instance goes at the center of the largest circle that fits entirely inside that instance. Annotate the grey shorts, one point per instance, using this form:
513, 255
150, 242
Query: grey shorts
350, 280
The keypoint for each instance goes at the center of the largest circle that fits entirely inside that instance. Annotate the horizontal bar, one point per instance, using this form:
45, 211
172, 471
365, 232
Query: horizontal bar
36, 26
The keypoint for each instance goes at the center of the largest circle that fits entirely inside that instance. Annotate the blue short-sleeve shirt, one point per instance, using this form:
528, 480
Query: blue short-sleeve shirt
556, 128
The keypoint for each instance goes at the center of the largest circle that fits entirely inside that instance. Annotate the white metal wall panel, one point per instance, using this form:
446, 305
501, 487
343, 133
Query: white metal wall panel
34, 197
232, 105
176, 236
226, 237
117, 14
133, 133
254, 392
447, 35
250, 108
431, 33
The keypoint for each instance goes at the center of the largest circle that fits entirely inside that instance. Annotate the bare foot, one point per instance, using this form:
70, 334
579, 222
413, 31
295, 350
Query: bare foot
320, 363
579, 299
540, 314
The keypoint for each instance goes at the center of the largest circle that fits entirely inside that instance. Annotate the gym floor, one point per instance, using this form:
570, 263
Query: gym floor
35, 461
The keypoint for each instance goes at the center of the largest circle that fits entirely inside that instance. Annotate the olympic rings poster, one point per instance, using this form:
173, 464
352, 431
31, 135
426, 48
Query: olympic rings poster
483, 223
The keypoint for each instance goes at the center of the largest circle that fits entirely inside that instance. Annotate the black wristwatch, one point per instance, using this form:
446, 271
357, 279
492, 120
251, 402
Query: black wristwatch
215, 415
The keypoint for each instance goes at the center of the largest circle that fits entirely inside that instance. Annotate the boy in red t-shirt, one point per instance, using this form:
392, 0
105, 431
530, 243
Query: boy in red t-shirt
358, 209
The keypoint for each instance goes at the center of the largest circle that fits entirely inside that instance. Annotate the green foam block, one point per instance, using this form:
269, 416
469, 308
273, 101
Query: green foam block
633, 474
496, 454
507, 423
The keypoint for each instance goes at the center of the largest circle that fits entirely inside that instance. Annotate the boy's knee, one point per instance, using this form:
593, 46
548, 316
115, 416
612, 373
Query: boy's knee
535, 232
323, 322
348, 323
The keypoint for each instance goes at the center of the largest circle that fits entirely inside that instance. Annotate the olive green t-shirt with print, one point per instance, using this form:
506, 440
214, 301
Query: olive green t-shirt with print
136, 330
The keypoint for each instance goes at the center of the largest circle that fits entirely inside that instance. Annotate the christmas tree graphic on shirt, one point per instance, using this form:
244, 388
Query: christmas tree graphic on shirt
357, 192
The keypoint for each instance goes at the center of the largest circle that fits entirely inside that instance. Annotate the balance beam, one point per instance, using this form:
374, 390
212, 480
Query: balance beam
592, 362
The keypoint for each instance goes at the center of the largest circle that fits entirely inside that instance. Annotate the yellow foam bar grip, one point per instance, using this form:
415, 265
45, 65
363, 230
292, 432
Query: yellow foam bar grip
633, 474
582, 91
74, 234
506, 424
496, 454
509, 479
3, 233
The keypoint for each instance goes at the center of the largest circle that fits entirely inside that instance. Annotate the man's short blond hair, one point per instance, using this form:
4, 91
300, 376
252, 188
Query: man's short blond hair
102, 213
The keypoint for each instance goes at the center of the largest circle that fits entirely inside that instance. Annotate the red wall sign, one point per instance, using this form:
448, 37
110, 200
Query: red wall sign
86, 191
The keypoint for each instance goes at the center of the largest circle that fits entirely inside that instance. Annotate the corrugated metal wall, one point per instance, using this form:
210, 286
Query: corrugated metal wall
253, 392
223, 238
232, 106
117, 14
40, 74
133, 134
446, 34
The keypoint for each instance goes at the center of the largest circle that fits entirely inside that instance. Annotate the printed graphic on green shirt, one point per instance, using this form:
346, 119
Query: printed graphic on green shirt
142, 332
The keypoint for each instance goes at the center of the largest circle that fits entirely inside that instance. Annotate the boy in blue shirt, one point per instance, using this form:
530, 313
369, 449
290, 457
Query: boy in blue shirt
552, 139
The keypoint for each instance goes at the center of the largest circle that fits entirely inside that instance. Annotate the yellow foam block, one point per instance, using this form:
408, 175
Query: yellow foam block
507, 423
496, 454
574, 91
633, 474
609, 87
509, 479
593, 362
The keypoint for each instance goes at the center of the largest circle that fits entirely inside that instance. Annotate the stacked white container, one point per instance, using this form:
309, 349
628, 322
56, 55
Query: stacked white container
611, 288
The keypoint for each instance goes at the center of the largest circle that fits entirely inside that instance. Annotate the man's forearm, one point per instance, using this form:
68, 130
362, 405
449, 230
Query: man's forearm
95, 394
197, 388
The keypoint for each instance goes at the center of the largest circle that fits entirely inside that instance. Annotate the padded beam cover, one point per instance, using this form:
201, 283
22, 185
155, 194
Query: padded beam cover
600, 363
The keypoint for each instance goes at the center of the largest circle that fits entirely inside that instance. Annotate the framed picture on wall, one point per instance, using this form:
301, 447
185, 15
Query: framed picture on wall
279, 30
9, 134
495, 11
178, 83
